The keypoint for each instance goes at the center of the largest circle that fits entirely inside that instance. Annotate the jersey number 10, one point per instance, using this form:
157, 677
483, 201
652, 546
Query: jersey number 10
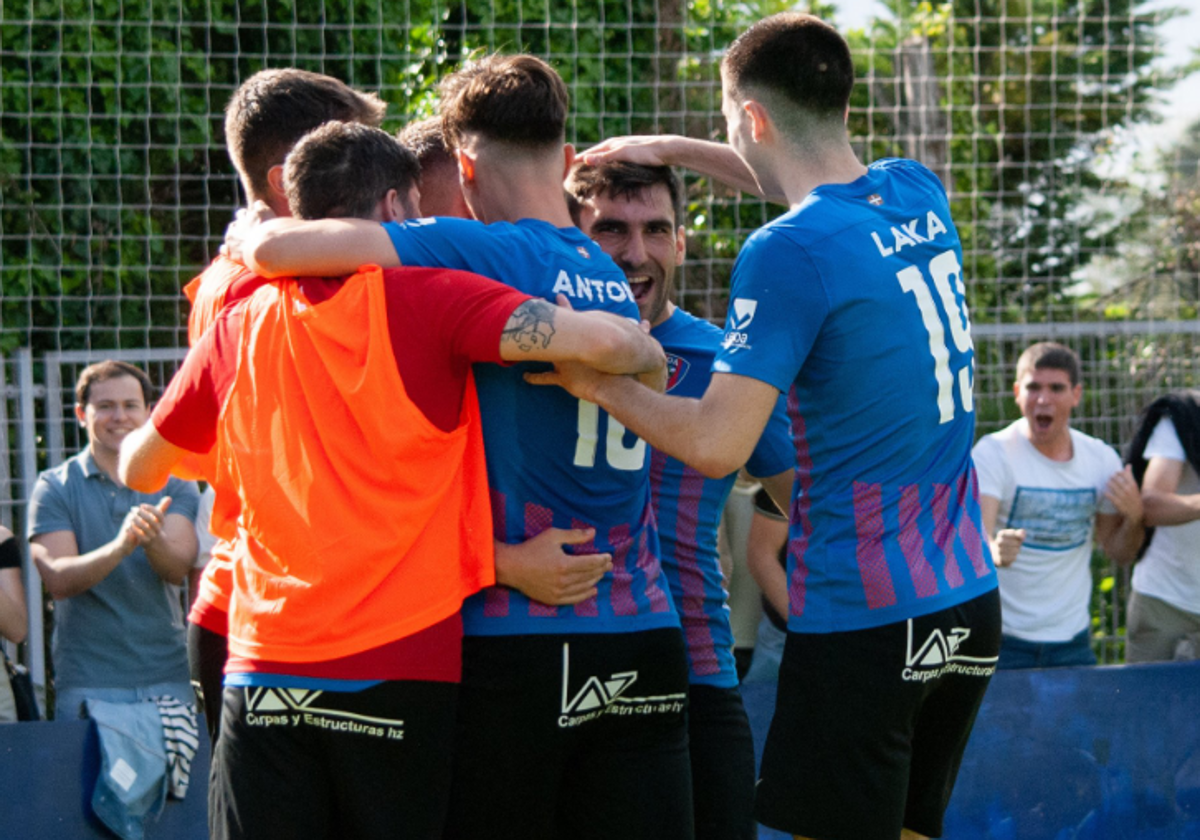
620, 456
942, 268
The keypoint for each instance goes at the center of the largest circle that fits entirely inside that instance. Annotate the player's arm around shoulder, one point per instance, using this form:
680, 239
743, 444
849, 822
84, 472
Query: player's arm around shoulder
538, 330
714, 434
318, 248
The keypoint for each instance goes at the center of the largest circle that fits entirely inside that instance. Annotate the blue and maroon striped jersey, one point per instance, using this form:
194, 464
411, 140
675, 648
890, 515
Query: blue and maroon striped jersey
688, 506
853, 304
554, 460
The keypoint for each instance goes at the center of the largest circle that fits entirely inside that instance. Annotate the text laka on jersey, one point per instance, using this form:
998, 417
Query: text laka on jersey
585, 288
908, 234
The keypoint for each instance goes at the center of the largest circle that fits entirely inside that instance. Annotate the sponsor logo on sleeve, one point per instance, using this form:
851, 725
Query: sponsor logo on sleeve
736, 336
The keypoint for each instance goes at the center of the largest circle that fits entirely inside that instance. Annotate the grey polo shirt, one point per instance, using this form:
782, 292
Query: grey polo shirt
127, 631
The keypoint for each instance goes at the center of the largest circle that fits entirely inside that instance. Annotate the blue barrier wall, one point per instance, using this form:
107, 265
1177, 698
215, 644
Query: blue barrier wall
47, 775
1069, 754
1072, 754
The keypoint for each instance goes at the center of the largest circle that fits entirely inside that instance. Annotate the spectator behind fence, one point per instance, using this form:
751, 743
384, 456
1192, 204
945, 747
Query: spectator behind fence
1164, 608
1051, 489
12, 614
113, 558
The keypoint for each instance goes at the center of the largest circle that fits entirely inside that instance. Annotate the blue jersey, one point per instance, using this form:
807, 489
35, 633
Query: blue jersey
554, 460
688, 506
853, 304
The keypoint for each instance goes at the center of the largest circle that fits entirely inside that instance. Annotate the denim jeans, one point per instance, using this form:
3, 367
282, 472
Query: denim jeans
1018, 653
768, 652
68, 702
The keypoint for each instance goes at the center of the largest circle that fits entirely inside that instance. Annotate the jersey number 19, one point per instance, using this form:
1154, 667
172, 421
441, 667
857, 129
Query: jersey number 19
942, 268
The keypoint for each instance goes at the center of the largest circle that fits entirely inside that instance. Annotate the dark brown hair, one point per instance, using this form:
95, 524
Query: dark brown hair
515, 99
424, 138
796, 56
111, 369
1049, 355
343, 169
620, 179
273, 109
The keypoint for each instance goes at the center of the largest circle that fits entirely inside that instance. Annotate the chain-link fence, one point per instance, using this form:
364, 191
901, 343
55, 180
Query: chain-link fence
116, 186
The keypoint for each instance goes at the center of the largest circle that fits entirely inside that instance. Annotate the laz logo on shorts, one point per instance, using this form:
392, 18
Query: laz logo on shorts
606, 696
938, 655
296, 707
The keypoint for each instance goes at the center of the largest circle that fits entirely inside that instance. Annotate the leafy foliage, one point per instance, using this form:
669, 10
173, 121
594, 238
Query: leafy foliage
117, 188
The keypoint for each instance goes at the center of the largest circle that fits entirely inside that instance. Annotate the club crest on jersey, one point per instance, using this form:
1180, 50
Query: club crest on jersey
677, 368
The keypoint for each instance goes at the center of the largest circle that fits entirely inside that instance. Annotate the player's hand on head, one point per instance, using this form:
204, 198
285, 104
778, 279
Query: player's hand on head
647, 150
541, 569
244, 222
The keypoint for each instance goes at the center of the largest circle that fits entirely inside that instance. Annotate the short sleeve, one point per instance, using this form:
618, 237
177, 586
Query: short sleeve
48, 508
186, 415
1164, 442
443, 243
1108, 464
775, 451
777, 305
465, 312
992, 469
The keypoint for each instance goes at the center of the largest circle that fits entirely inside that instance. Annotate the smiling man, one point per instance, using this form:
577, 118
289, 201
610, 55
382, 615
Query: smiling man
1051, 489
111, 557
632, 212
894, 621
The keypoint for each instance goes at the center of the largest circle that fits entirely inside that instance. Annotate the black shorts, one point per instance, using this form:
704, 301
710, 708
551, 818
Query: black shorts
321, 764
870, 725
207, 652
722, 753
580, 736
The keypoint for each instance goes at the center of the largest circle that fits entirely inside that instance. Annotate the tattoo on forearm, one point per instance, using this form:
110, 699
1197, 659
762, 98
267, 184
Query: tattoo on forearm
530, 326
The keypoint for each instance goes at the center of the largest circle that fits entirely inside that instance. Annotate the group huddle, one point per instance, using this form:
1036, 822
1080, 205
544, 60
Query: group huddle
469, 456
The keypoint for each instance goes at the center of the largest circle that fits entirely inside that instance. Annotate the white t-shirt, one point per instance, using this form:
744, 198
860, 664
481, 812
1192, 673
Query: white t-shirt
1046, 593
1170, 568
